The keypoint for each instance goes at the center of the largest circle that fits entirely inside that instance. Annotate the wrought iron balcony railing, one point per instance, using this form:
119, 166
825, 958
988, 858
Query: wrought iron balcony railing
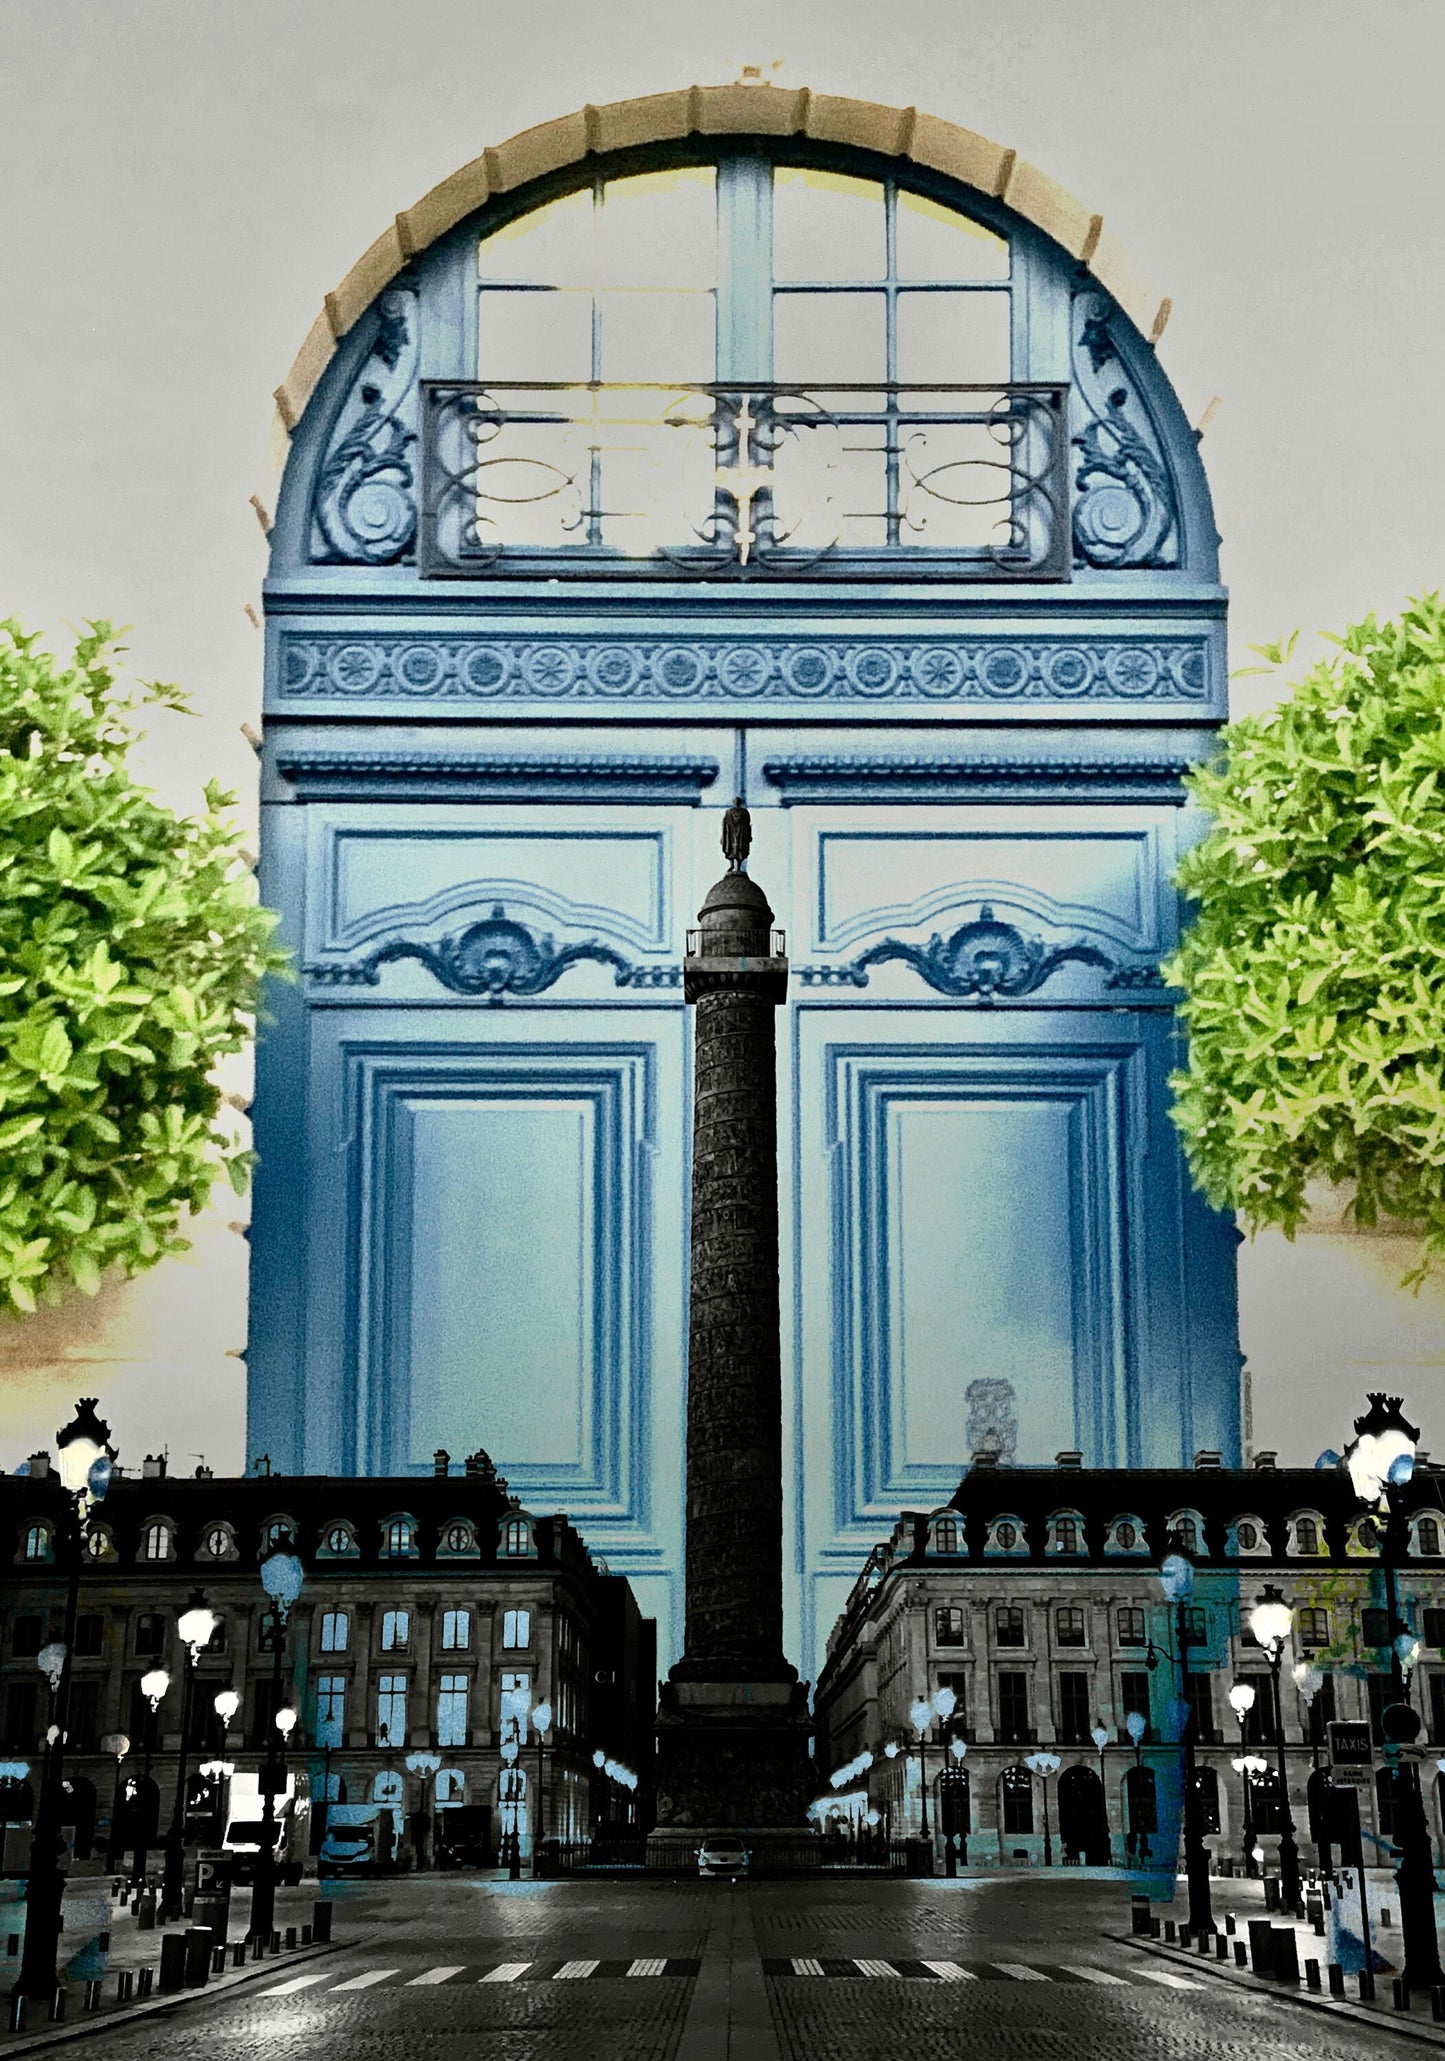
719, 481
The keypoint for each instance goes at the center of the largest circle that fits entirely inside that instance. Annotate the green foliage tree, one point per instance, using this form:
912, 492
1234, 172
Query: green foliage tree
132, 948
1313, 972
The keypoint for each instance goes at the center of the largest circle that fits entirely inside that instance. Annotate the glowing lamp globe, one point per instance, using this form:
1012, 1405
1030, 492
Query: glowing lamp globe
282, 1575
1100, 1736
225, 1705
542, 1717
51, 1662
920, 1715
945, 1702
1136, 1725
1241, 1699
154, 1685
958, 1748
196, 1623
1176, 1578
286, 1720
1270, 1619
80, 1447
1383, 1451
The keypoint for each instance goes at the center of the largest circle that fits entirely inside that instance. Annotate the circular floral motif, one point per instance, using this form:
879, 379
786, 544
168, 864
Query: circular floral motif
678, 670
872, 670
1003, 673
550, 669
1191, 672
808, 669
612, 669
298, 667
485, 669
1132, 671
938, 671
743, 669
355, 667
1069, 671
418, 669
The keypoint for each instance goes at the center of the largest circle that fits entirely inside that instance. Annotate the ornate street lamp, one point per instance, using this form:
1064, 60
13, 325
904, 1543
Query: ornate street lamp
1176, 1579
282, 1576
423, 1764
195, 1625
1136, 1725
542, 1720
1100, 1737
1044, 1765
510, 1785
1241, 1698
1380, 1462
1270, 1621
921, 1714
117, 1744
153, 1687
956, 1781
84, 1458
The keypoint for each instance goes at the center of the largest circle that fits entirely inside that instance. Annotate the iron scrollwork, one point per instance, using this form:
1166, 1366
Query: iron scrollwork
494, 958
984, 961
365, 500
1126, 508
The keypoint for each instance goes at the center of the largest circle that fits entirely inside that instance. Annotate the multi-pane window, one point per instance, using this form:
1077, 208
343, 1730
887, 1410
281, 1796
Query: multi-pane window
1073, 1708
155, 1542
456, 1631
1377, 1695
1069, 1625
948, 1626
1312, 1626
945, 1535
1257, 1724
1435, 1629
398, 1539
1066, 1535
83, 1716
218, 1542
1008, 1625
1306, 1535
517, 1537
516, 1629
22, 1704
1322, 1710
1013, 1707
1427, 1537
515, 1706
1196, 1625
1206, 1788
1374, 1627
89, 1635
335, 1631
37, 1543
395, 1630
1201, 1705
27, 1636
1018, 1800
1437, 1708
391, 1710
1129, 1625
1186, 1531
452, 1711
330, 1710
1134, 1696
150, 1633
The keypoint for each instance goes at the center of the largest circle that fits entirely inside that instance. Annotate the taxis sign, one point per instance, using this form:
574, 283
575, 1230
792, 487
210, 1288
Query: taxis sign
1350, 1745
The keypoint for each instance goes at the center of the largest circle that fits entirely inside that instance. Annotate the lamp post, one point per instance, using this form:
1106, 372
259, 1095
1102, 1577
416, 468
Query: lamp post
921, 1714
1241, 1702
955, 1779
118, 1745
84, 1458
1100, 1737
1381, 1461
1176, 1579
225, 1703
1044, 1765
282, 1576
425, 1765
510, 1785
1136, 1725
195, 1626
153, 1687
542, 1720
1270, 1621
1309, 1681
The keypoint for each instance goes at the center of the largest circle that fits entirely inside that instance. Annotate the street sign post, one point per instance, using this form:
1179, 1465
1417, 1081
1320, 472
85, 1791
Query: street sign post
1350, 1744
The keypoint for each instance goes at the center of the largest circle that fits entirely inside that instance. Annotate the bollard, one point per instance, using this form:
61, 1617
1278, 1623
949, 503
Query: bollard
1437, 2003
1286, 1954
57, 2005
1203, 1942
125, 1985
198, 1942
218, 1958
146, 1912
18, 2007
1261, 1946
238, 1954
1312, 1975
145, 1982
306, 1935
1241, 1954
1271, 1892
1366, 1980
1336, 1975
321, 1918
92, 1996
1229, 1923
1400, 1993
258, 1948
1170, 1931
1153, 1928
275, 1942
1221, 1947
290, 1937
1185, 1938
173, 1961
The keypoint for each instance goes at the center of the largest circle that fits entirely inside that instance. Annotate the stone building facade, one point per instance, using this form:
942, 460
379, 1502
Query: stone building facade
1035, 1596
435, 1614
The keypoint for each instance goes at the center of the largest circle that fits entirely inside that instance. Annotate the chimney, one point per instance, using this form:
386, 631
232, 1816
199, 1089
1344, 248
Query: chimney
1205, 1458
984, 1459
441, 1460
154, 1467
1266, 1461
40, 1466
1073, 1461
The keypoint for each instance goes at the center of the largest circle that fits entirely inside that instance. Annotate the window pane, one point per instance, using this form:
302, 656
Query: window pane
826, 226
934, 242
661, 335
659, 230
953, 336
553, 245
535, 336
819, 337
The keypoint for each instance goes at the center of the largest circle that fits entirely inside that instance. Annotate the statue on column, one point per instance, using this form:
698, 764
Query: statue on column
737, 835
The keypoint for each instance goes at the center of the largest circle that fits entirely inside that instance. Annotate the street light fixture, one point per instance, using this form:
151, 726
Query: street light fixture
542, 1720
1241, 1699
1381, 1461
1270, 1621
117, 1744
1100, 1737
282, 1577
84, 1459
1136, 1725
1176, 1579
921, 1714
1044, 1765
426, 1765
195, 1625
509, 1788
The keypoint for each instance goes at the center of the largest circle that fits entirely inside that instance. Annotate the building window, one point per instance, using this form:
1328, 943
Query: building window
1377, 1695
456, 1631
388, 1787
1008, 1625
1435, 1628
1018, 1800
1374, 1627
83, 1717
395, 1630
1013, 1708
1312, 1626
1246, 1536
1201, 1707
1126, 1536
330, 1711
1257, 1726
945, 1535
397, 1539
1306, 1535
150, 1633
391, 1710
1130, 1623
458, 1538
338, 1540
1196, 1625
1006, 1536
452, 1711
516, 1706
1437, 1709
98, 1543
1142, 1804
1186, 1531
335, 1631
1427, 1537
22, 1703
37, 1543
89, 1635
155, 1542
948, 1627
1322, 1710
1134, 1697
217, 1543
1073, 1708
1069, 1625
516, 1630
517, 1537
27, 1636
1066, 1535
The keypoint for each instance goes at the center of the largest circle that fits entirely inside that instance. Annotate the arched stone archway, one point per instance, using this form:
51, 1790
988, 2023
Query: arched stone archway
1083, 1818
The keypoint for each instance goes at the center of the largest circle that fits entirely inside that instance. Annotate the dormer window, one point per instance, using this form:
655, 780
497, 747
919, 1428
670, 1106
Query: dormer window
945, 1535
398, 1539
218, 1542
155, 1542
516, 1537
338, 1541
1306, 1535
37, 1543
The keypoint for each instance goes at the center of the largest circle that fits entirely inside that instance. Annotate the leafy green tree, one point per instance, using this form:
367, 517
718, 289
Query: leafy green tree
132, 948
1314, 970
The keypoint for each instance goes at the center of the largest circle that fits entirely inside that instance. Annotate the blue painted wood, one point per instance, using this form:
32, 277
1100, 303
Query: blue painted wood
489, 813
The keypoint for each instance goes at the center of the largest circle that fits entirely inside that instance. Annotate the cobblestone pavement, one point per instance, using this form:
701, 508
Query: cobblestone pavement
439, 1969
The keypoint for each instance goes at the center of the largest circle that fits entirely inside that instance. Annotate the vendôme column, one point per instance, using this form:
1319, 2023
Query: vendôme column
732, 1734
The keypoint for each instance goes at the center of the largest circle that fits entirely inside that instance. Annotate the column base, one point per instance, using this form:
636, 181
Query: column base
732, 1756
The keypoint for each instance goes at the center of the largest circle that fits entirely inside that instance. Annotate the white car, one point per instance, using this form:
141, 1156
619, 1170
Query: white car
722, 1857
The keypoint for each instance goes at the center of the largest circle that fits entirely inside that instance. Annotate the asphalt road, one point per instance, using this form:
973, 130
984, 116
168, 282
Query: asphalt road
451, 1969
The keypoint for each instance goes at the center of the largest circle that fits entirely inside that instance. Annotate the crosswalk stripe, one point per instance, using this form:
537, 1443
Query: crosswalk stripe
950, 1971
366, 1981
1020, 1971
287, 1989
508, 1972
434, 1975
1173, 1981
647, 1967
806, 1967
876, 1968
1097, 1975
575, 1971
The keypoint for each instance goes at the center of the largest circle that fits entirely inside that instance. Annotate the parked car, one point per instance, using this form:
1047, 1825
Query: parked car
360, 1839
722, 1856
